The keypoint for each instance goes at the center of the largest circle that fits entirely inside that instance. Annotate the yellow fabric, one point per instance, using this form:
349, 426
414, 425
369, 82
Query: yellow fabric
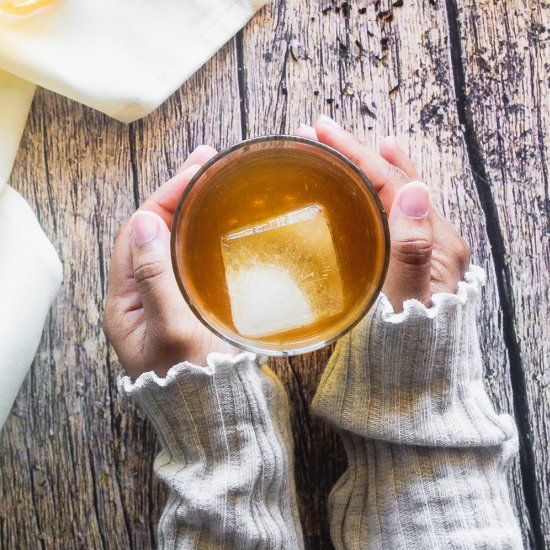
15, 101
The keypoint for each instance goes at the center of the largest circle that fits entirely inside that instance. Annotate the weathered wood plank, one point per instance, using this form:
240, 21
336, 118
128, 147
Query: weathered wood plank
379, 69
75, 460
58, 464
506, 112
205, 110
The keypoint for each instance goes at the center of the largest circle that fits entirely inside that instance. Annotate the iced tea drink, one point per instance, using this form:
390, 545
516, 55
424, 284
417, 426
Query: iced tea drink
280, 245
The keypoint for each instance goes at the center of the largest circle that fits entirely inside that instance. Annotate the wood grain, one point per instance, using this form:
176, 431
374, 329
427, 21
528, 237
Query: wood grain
59, 467
379, 70
505, 99
76, 459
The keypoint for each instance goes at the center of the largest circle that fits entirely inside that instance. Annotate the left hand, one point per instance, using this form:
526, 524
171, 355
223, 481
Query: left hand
146, 318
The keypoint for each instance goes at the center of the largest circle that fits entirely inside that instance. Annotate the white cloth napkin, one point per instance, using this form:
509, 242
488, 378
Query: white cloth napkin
30, 276
122, 57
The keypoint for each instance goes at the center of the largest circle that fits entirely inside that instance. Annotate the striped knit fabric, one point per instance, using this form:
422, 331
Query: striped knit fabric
427, 454
227, 454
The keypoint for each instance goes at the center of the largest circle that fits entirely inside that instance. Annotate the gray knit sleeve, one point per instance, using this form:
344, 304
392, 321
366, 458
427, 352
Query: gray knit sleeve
427, 454
226, 454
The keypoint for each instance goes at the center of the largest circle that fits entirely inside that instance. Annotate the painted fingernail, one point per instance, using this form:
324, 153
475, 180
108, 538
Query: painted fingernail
327, 120
145, 227
414, 200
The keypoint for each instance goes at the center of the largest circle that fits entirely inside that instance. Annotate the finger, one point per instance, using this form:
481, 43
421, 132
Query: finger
306, 131
200, 155
121, 283
123, 303
392, 152
411, 236
386, 178
164, 200
450, 258
152, 271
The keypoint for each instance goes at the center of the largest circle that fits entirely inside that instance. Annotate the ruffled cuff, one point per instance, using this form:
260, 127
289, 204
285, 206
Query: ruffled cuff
227, 453
196, 410
414, 377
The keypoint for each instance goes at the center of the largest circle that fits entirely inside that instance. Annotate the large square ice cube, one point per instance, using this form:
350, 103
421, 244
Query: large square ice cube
283, 273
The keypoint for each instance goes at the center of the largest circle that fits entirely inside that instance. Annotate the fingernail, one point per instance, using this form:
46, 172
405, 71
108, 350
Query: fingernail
306, 128
414, 200
327, 120
145, 227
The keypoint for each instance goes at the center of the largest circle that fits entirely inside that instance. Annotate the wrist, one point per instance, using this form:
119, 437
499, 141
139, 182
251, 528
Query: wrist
410, 377
193, 405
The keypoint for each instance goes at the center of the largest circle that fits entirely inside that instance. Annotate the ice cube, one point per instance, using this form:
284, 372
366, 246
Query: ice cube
283, 273
266, 300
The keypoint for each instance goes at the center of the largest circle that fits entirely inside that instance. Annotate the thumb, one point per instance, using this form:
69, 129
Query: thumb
153, 269
411, 235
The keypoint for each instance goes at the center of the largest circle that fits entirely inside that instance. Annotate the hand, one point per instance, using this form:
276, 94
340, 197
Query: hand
146, 318
427, 253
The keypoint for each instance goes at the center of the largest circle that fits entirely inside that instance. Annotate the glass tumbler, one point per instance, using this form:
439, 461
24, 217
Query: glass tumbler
280, 245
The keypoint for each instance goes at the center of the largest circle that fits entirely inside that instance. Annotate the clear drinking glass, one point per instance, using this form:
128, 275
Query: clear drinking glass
280, 245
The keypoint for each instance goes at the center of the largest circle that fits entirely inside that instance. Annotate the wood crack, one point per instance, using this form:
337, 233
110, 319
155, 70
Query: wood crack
33, 497
241, 83
503, 279
540, 132
47, 174
133, 164
116, 431
152, 524
95, 505
301, 393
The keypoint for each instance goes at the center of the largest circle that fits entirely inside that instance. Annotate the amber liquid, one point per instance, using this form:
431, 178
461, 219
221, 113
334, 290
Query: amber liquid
253, 189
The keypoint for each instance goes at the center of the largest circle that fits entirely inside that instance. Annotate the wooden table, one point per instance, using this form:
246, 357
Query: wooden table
465, 86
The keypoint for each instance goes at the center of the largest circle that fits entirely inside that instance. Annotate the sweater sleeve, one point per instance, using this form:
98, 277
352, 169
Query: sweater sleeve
427, 454
226, 454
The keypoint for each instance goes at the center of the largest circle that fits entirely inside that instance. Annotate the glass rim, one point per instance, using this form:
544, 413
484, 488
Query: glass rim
372, 192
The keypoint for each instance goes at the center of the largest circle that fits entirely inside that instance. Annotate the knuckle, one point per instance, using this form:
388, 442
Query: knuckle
415, 252
146, 274
396, 175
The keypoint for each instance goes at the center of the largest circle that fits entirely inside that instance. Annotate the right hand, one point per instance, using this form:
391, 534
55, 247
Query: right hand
428, 255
